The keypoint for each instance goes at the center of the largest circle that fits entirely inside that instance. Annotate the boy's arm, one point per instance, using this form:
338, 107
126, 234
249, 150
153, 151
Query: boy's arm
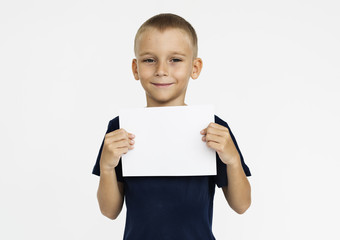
238, 191
110, 194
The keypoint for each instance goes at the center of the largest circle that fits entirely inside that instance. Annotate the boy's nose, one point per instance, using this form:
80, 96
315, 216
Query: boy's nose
162, 69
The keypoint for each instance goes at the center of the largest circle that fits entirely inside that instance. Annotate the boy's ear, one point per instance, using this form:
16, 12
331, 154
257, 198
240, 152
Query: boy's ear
135, 69
197, 67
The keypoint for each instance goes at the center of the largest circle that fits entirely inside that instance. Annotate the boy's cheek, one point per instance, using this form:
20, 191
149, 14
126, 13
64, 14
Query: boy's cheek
145, 74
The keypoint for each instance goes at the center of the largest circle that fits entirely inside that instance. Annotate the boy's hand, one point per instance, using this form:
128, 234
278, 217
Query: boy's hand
218, 138
116, 144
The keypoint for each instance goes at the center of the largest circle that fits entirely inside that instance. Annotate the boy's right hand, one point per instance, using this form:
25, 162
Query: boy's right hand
116, 144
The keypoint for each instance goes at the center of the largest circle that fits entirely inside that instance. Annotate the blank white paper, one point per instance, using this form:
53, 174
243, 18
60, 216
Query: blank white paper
168, 141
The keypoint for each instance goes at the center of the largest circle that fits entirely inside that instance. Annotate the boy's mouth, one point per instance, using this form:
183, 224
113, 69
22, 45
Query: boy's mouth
162, 84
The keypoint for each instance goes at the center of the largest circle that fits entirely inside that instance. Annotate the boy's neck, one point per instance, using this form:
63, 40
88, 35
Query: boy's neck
165, 105
174, 102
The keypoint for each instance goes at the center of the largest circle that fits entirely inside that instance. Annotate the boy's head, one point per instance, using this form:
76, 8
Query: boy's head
166, 57
165, 21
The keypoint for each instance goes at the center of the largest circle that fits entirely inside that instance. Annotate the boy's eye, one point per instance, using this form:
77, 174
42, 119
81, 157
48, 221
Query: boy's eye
176, 60
149, 60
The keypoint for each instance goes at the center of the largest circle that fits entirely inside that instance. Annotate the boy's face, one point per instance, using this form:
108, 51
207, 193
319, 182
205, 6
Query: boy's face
164, 63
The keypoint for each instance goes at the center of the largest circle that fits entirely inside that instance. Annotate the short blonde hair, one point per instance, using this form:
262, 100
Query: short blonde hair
165, 21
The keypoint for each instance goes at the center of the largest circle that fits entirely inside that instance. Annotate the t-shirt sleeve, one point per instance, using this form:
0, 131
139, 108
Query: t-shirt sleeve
113, 125
221, 178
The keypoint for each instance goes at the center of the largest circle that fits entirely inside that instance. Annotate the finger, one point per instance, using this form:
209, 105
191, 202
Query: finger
214, 138
131, 142
115, 132
218, 126
121, 135
217, 131
131, 146
203, 131
131, 136
122, 151
122, 143
214, 125
214, 145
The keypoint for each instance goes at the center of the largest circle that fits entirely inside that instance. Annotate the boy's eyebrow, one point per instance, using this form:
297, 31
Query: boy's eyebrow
174, 52
145, 53
178, 53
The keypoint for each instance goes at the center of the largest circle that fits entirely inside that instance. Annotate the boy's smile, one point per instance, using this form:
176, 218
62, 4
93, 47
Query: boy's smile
164, 64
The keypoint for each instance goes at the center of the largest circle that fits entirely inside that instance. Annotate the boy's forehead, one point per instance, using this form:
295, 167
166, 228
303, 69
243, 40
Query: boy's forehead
172, 36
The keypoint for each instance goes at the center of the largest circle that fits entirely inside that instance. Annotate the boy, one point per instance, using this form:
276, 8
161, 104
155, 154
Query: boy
169, 207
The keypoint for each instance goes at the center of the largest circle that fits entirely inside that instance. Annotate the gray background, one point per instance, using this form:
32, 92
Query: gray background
270, 67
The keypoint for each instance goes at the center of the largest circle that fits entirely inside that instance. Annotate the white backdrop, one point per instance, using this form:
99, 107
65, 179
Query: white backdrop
272, 69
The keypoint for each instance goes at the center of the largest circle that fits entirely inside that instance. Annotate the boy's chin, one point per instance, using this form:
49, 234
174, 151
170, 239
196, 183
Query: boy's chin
162, 101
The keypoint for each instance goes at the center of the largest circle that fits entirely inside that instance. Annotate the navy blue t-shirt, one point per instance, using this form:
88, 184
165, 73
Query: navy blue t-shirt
170, 208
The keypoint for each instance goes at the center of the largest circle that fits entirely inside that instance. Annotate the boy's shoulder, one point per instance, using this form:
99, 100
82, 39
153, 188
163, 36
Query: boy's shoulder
220, 121
114, 120
113, 124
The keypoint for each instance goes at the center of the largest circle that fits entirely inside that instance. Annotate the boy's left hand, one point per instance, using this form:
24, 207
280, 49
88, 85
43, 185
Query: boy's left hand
218, 138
